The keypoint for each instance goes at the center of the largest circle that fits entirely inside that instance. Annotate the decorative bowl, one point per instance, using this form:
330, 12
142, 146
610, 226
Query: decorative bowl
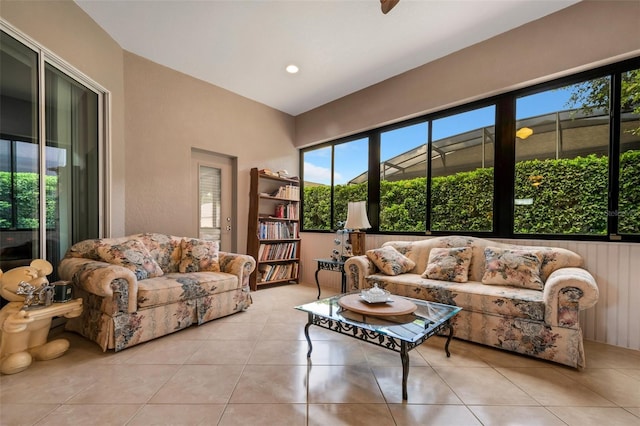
375, 295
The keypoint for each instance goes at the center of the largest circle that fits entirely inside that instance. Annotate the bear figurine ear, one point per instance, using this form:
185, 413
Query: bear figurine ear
44, 267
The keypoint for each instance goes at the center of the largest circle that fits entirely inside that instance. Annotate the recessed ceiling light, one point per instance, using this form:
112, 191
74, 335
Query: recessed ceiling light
292, 69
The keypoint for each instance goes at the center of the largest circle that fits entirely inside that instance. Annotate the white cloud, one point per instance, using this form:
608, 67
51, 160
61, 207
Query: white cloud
318, 174
320, 152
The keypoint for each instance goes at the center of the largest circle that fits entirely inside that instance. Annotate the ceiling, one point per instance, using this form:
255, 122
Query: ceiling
341, 46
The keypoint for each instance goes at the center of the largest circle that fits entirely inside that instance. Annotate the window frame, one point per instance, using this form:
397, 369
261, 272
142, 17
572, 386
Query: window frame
504, 158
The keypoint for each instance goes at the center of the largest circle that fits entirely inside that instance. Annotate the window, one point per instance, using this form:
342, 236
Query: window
334, 176
317, 188
350, 161
462, 171
403, 182
19, 164
209, 201
72, 159
628, 211
50, 194
561, 173
557, 160
461, 161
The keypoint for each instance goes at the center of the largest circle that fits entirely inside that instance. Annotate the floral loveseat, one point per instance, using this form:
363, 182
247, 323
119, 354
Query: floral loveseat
144, 286
524, 299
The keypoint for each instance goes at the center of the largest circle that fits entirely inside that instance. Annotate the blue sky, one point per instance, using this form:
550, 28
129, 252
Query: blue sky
351, 158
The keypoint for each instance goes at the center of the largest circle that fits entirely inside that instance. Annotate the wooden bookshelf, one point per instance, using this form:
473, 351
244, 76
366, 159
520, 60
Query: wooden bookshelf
274, 228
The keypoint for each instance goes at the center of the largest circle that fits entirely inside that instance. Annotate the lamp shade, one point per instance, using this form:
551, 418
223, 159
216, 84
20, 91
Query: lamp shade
357, 216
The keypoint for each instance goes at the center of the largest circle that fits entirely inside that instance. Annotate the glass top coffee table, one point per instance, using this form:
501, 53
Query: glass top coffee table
399, 333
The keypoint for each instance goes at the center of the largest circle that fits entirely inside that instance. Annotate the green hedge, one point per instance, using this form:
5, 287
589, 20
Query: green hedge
463, 201
27, 200
569, 196
629, 202
403, 205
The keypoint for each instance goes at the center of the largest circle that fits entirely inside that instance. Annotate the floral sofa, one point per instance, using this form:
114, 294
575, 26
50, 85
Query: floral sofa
524, 299
144, 286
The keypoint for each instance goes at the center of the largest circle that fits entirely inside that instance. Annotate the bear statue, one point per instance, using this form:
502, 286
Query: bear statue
26, 319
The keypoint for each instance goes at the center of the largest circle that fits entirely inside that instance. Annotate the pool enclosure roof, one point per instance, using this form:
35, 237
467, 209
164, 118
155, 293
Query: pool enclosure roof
412, 163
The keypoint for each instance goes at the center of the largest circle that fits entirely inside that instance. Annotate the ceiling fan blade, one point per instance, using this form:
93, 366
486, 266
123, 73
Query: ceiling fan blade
387, 5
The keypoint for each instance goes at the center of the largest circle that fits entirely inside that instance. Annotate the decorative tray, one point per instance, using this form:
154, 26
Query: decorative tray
355, 303
375, 300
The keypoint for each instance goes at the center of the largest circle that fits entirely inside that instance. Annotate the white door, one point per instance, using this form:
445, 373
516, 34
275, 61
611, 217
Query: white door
213, 184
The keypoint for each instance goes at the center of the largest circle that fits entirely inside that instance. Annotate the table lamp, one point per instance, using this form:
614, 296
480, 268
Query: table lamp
357, 220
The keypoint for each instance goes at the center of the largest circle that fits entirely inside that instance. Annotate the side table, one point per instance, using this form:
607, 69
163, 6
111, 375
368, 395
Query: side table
331, 265
24, 334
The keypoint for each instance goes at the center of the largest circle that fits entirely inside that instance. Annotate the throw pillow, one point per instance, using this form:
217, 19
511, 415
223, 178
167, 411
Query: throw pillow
449, 264
513, 267
132, 255
390, 261
199, 256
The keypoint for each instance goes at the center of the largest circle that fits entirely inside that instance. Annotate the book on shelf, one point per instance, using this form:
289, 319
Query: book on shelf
277, 251
277, 230
280, 173
268, 172
268, 272
287, 192
292, 211
285, 211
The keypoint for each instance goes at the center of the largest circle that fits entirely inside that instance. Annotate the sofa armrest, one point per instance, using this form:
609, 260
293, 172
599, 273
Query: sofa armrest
99, 278
357, 268
241, 265
568, 291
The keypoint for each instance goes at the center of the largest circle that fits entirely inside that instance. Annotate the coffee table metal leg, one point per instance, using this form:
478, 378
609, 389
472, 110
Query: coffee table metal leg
446, 345
317, 282
306, 334
404, 356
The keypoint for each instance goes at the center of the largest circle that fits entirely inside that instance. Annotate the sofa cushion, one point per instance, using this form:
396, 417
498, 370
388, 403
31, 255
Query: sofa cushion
513, 267
449, 264
165, 249
133, 255
174, 287
199, 256
418, 251
390, 261
471, 296
86, 248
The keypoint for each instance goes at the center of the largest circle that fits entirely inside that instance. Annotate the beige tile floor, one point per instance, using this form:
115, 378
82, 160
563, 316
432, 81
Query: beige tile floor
251, 369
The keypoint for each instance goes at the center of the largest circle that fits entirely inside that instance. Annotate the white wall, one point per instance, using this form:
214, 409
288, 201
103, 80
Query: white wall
168, 114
